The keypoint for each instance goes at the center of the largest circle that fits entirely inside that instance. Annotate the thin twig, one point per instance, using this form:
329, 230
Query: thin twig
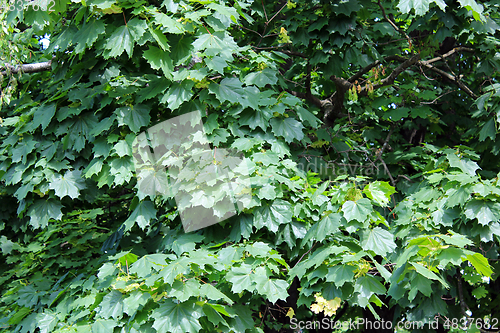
263, 7
455, 79
304, 255
251, 30
277, 13
379, 156
393, 24
385, 142
434, 101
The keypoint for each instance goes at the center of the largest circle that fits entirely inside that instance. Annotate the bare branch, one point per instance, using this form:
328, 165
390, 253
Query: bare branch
29, 68
366, 69
309, 97
279, 11
456, 49
455, 79
379, 156
294, 53
385, 142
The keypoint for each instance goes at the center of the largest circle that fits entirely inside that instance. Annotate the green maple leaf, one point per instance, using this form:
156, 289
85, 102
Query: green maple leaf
47, 321
68, 185
280, 212
88, 34
176, 267
142, 215
103, 125
147, 263
122, 39
366, 286
178, 93
134, 117
119, 41
112, 305
27, 296
42, 211
210, 292
177, 318
103, 325
458, 196
421, 6
445, 216
170, 25
185, 243
484, 211
213, 44
261, 78
212, 311
357, 210
241, 278
151, 182
273, 289
229, 12
288, 128
159, 59
466, 165
308, 117
6, 245
340, 274
479, 292
316, 259
429, 274
216, 63
23, 149
121, 169
327, 226
134, 302
122, 148
378, 240
422, 284
267, 192
184, 290
182, 48
450, 255
380, 192
488, 130
472, 5
230, 89
480, 263
256, 118
42, 116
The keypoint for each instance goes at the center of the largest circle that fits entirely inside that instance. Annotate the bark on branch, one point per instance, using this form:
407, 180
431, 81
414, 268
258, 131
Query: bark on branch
28, 68
455, 79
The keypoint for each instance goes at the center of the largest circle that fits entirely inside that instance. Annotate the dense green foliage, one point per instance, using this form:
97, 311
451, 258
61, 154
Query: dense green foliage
369, 128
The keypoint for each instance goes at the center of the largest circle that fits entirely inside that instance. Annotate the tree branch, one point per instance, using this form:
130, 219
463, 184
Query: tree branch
308, 97
379, 156
28, 68
393, 24
456, 49
366, 69
294, 53
455, 79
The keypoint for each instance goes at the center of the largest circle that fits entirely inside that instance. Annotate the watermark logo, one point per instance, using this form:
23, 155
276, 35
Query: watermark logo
173, 159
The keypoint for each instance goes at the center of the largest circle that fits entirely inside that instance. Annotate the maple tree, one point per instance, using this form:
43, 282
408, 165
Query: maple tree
369, 130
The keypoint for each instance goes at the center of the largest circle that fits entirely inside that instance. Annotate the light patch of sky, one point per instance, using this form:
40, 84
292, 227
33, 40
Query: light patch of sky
45, 41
